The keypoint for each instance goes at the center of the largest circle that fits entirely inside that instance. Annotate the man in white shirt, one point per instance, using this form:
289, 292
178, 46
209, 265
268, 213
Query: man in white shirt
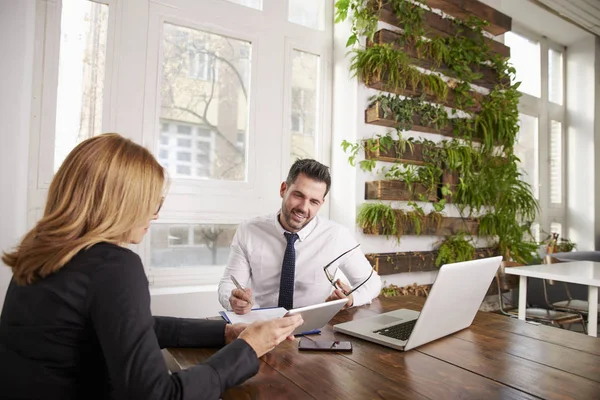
278, 268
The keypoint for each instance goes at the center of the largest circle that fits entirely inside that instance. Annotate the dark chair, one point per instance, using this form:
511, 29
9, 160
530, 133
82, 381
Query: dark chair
570, 304
541, 315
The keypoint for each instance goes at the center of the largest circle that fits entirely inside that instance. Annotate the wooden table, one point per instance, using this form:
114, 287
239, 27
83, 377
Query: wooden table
582, 272
496, 358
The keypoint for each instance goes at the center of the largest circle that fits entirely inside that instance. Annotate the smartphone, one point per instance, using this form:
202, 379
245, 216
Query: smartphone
324, 345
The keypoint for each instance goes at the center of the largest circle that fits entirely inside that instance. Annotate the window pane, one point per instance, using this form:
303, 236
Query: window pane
309, 13
525, 57
204, 97
249, 3
556, 227
555, 76
556, 162
535, 232
189, 245
304, 110
81, 65
526, 149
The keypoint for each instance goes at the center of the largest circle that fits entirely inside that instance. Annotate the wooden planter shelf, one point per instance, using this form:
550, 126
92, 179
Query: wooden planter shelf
374, 116
414, 156
396, 190
380, 83
436, 26
490, 77
448, 226
413, 261
462, 9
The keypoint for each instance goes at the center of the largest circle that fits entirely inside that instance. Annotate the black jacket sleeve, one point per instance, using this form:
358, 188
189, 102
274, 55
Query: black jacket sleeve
188, 332
119, 310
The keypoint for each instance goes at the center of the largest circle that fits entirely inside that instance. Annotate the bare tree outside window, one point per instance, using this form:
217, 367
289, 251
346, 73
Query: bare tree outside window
304, 110
81, 66
204, 93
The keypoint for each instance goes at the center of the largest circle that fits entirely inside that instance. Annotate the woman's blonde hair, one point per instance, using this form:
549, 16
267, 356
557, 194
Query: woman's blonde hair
105, 187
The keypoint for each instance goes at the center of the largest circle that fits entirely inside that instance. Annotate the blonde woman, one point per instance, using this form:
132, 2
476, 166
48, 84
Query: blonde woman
76, 322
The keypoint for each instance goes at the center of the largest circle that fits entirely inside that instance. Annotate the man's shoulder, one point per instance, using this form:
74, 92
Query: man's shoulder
261, 225
327, 224
260, 221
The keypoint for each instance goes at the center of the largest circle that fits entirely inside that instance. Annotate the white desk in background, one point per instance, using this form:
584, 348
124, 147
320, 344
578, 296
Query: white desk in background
581, 272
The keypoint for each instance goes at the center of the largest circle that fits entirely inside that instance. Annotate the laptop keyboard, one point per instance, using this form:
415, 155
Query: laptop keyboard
401, 331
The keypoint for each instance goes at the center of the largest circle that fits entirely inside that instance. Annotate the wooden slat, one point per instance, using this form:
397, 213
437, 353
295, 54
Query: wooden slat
452, 226
450, 178
415, 261
396, 190
411, 154
436, 26
374, 116
448, 226
380, 83
528, 376
489, 79
576, 362
462, 9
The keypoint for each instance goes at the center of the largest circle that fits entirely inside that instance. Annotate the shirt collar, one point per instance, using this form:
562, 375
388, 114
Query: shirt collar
303, 233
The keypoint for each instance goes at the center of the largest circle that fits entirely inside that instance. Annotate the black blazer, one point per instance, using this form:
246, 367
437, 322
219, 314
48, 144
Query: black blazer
86, 332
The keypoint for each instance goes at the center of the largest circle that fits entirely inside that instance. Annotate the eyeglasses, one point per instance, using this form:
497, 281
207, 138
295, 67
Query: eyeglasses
331, 277
162, 200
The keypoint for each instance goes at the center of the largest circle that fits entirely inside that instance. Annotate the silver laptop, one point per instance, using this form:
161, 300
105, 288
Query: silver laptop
451, 306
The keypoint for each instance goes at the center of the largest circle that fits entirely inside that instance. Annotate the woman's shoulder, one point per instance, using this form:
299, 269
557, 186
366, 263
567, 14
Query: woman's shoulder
107, 255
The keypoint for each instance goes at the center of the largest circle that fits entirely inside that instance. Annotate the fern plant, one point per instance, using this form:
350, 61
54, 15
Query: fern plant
453, 249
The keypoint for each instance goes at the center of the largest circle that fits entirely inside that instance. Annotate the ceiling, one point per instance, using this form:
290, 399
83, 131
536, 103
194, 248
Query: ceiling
539, 19
585, 13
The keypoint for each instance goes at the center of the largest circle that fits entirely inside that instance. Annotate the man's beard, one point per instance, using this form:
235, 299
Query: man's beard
287, 216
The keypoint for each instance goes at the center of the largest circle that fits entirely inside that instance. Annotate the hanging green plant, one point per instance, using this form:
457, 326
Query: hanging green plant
453, 249
372, 216
383, 63
404, 109
483, 178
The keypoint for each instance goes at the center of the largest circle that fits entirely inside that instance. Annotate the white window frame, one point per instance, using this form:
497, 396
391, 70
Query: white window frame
45, 92
295, 37
547, 111
132, 107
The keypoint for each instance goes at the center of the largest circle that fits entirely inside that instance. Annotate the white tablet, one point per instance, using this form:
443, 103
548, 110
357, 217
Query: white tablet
317, 315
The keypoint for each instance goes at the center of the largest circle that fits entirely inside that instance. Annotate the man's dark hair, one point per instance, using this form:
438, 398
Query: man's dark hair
312, 169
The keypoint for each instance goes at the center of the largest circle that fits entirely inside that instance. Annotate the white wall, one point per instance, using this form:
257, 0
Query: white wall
583, 142
16, 46
596, 89
185, 302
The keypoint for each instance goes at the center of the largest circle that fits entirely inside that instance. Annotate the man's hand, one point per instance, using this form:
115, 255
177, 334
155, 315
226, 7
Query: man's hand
240, 301
232, 331
341, 294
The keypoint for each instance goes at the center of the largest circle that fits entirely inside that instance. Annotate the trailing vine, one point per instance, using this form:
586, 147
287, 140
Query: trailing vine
403, 109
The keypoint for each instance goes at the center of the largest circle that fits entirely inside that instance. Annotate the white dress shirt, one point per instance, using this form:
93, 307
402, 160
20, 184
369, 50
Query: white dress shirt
257, 255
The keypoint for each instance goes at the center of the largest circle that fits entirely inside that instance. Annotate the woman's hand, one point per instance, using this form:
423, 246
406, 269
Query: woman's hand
264, 336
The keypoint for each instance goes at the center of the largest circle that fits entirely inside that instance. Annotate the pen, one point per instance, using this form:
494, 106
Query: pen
315, 332
237, 285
